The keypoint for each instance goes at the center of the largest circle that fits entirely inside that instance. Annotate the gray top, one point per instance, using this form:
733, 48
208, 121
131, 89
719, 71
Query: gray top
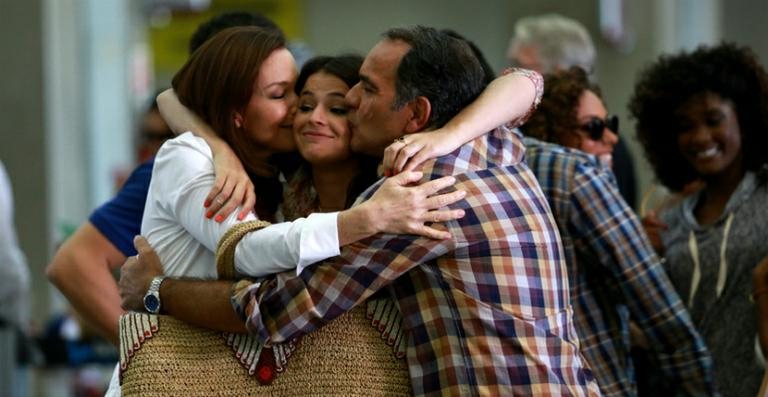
718, 297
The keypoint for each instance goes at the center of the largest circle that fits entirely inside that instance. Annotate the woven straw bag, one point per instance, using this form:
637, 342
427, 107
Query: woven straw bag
162, 356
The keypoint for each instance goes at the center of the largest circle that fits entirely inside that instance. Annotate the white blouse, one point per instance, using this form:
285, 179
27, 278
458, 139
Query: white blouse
185, 240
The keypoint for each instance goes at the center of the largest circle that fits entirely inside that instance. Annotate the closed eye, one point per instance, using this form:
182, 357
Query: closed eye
340, 111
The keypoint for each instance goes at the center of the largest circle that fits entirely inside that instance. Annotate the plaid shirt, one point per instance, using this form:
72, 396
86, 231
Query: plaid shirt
615, 275
487, 312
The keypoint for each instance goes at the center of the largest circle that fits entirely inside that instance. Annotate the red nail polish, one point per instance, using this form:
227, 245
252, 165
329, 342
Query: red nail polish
209, 214
219, 218
207, 204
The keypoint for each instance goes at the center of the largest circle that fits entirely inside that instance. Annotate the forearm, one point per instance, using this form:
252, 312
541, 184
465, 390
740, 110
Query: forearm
760, 297
91, 290
354, 225
304, 241
203, 303
403, 204
395, 208
180, 119
288, 305
508, 98
287, 246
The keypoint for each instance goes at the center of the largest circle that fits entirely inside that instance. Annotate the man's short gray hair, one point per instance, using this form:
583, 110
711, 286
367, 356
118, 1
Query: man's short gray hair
561, 42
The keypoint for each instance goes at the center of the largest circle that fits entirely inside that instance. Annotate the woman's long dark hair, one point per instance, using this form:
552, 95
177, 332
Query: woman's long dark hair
217, 81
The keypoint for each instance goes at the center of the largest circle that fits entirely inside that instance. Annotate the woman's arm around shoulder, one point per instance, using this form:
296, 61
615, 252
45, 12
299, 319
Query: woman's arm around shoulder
509, 99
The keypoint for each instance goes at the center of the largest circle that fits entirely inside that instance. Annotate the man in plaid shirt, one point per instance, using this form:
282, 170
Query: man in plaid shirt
616, 276
488, 311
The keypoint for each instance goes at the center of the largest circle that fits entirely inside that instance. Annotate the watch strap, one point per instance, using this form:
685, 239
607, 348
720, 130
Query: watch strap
154, 286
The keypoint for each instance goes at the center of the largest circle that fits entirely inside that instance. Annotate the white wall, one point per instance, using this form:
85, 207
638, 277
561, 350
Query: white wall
88, 111
22, 138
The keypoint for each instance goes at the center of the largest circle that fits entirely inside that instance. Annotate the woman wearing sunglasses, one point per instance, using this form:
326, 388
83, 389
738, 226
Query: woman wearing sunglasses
572, 114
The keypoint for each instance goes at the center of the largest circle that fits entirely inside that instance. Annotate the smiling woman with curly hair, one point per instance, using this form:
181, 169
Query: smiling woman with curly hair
703, 116
729, 71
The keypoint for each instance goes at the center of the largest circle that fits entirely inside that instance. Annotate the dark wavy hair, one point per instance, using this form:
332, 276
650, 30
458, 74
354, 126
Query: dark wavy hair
217, 80
555, 119
488, 74
439, 67
727, 70
345, 67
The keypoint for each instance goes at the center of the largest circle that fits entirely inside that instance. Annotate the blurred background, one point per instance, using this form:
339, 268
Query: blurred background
75, 76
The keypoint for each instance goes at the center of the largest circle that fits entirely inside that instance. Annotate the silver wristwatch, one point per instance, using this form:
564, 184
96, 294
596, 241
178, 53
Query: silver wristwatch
152, 297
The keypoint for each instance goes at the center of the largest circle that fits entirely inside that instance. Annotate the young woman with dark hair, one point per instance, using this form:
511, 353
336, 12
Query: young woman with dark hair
702, 116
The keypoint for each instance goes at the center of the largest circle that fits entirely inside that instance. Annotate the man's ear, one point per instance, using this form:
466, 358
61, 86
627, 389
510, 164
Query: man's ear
421, 110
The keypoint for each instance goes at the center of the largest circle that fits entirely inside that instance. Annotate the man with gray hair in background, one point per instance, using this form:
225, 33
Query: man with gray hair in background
551, 42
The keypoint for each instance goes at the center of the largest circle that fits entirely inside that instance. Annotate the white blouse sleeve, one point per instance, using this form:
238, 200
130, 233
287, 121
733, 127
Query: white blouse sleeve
185, 168
300, 243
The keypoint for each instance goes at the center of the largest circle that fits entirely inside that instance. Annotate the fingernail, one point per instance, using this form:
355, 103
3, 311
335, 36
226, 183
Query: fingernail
207, 203
219, 218
240, 217
209, 214
461, 213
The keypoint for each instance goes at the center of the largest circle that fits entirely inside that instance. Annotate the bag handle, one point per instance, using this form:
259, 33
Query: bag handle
225, 252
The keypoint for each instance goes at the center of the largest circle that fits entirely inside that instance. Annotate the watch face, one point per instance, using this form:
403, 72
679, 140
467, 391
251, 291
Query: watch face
151, 303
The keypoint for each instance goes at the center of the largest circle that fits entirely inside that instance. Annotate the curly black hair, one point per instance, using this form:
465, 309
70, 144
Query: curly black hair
727, 70
555, 118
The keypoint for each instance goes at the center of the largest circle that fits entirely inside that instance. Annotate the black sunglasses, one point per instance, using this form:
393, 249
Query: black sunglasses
595, 126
